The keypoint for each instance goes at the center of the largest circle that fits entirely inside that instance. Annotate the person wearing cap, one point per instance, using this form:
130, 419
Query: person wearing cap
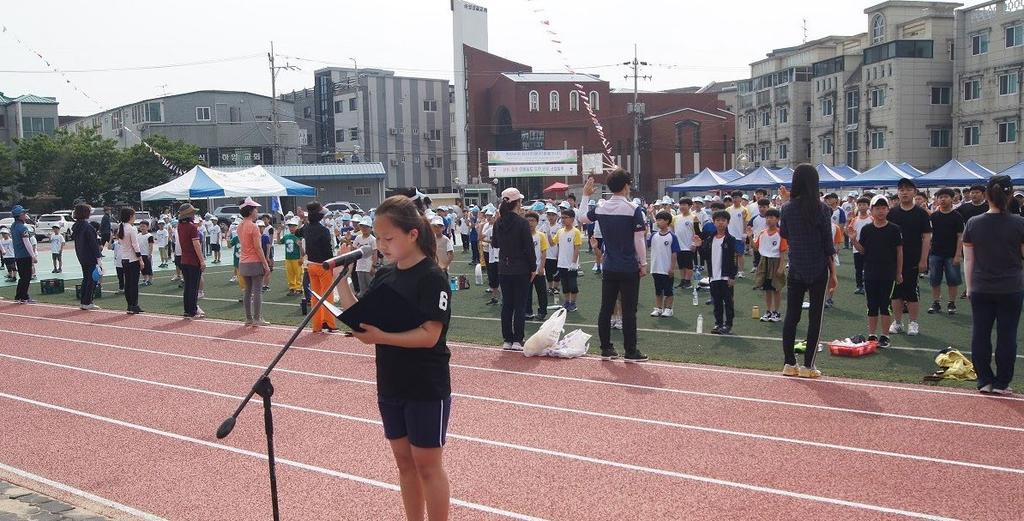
625, 261
462, 223
916, 229
57, 249
493, 254
24, 253
550, 228
881, 244
267, 245
192, 262
292, 257
7, 254
213, 235
160, 237
854, 224
252, 266
517, 266
366, 267
89, 253
445, 246
993, 245
739, 216
317, 240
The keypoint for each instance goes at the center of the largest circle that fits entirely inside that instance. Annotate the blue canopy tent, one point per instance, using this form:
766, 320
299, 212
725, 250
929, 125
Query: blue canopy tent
828, 177
882, 175
953, 173
976, 167
1016, 172
760, 178
846, 171
909, 168
707, 179
785, 173
204, 183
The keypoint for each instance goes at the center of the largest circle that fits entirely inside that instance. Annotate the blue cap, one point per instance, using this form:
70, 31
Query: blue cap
346, 217
537, 207
18, 210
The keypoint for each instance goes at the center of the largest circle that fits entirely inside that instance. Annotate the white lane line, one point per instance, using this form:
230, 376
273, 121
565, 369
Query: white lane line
554, 377
64, 487
676, 366
258, 455
483, 508
580, 412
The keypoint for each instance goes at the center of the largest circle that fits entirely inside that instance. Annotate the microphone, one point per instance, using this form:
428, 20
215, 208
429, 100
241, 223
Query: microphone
347, 258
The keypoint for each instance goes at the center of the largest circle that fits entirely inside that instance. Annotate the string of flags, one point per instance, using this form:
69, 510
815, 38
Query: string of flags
557, 41
67, 80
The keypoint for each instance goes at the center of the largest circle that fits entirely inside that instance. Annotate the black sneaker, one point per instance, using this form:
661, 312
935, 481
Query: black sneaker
492, 302
935, 308
635, 357
951, 308
725, 330
871, 338
531, 316
541, 318
828, 303
883, 342
609, 354
717, 330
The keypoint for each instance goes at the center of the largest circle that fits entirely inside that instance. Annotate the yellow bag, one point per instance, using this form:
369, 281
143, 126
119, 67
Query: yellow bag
954, 365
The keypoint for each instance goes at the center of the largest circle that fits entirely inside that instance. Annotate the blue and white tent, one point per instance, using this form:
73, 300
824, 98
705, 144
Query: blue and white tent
909, 168
846, 171
828, 177
707, 179
203, 183
976, 167
1016, 172
953, 173
883, 175
760, 178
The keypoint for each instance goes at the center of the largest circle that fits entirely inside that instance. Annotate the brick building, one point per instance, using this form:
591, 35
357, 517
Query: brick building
510, 107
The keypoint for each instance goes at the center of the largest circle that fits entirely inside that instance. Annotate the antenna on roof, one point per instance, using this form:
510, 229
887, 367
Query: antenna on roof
805, 30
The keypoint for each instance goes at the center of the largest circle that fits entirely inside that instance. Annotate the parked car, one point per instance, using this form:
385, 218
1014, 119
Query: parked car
97, 216
46, 222
225, 214
343, 206
66, 213
143, 216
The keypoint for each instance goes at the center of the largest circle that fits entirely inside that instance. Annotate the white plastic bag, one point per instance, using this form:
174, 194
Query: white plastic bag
547, 336
478, 272
574, 345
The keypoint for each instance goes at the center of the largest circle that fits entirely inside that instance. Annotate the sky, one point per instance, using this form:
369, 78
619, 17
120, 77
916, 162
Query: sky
223, 44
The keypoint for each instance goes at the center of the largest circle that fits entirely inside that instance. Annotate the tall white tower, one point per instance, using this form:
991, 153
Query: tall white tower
469, 24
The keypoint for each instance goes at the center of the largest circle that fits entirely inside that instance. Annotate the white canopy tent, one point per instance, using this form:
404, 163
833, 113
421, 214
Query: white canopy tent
204, 183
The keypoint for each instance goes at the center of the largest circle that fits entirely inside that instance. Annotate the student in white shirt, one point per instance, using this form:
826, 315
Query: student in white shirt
758, 224
771, 271
213, 231
686, 226
664, 246
56, 249
160, 241
146, 241
7, 254
539, 282
366, 266
551, 257
739, 216
569, 239
493, 258
131, 259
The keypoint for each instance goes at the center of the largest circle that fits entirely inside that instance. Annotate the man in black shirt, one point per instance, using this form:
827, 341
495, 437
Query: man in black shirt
881, 244
976, 205
946, 252
916, 229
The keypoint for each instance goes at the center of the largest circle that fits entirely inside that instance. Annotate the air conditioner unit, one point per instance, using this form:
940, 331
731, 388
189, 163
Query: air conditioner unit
394, 162
393, 131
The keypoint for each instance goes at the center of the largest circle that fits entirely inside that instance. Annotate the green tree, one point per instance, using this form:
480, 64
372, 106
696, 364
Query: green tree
8, 176
139, 169
42, 160
72, 166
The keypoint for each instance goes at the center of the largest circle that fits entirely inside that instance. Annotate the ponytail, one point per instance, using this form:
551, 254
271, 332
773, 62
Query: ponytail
126, 215
405, 215
998, 192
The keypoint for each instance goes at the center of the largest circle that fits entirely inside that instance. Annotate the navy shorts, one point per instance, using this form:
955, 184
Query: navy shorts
684, 260
425, 423
214, 247
662, 284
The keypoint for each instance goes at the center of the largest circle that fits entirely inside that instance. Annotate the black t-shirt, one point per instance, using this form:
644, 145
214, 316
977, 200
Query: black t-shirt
317, 242
945, 226
913, 223
420, 373
880, 250
969, 209
996, 239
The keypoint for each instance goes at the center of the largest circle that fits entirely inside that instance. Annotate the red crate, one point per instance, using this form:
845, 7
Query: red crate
852, 350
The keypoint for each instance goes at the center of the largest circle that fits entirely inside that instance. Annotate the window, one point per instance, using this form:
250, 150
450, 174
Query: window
1015, 36
202, 113
1008, 83
877, 97
534, 101
553, 101
1008, 132
852, 107
3, 121
307, 112
826, 145
750, 121
765, 152
972, 136
353, 134
361, 191
32, 127
808, 113
339, 106
898, 49
783, 150
766, 118
154, 112
939, 138
339, 135
353, 104
877, 139
851, 148
783, 115
877, 29
429, 106
940, 95
972, 90
574, 100
595, 101
434, 134
826, 107
979, 44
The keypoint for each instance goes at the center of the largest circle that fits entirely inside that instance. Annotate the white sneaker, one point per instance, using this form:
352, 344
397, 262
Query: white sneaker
740, 275
617, 324
233, 279
767, 317
896, 328
594, 269
913, 329
506, 346
656, 312
667, 312
516, 346
201, 295
90, 307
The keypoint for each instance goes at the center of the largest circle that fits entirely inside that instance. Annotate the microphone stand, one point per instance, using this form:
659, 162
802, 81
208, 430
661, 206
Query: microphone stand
265, 390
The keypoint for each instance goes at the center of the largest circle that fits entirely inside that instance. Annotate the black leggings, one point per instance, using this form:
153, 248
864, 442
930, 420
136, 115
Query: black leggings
794, 308
131, 283
722, 298
858, 268
877, 293
614, 284
24, 277
88, 285
514, 291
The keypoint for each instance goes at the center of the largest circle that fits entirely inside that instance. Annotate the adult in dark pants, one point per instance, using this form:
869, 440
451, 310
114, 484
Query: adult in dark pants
625, 260
24, 253
193, 263
807, 226
131, 258
517, 264
105, 227
993, 245
88, 251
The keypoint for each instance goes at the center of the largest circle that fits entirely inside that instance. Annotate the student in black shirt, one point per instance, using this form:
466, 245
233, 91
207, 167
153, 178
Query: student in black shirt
317, 241
916, 227
413, 379
976, 205
881, 244
947, 251
993, 246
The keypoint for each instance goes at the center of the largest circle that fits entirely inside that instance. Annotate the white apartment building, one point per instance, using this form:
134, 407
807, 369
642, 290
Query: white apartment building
987, 104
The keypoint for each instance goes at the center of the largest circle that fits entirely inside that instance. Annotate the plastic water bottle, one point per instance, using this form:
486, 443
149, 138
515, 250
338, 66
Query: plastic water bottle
696, 300
700, 323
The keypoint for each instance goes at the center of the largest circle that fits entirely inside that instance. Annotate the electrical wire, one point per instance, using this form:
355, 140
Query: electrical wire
135, 68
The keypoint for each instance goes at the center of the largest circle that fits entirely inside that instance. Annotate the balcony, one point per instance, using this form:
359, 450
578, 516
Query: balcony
899, 49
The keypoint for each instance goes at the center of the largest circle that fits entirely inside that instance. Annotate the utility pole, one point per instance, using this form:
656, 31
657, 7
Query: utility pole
275, 122
637, 114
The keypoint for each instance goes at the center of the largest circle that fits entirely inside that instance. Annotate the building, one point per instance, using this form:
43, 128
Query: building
231, 128
25, 116
512, 108
857, 100
304, 103
371, 115
469, 27
987, 102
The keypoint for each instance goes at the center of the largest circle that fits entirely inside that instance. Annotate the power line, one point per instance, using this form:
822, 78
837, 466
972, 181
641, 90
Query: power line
134, 68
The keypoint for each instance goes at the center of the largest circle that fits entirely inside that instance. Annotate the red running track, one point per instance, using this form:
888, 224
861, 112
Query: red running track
125, 408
